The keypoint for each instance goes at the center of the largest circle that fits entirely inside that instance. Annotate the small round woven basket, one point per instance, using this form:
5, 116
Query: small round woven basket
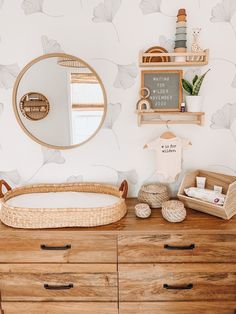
142, 210
173, 211
153, 194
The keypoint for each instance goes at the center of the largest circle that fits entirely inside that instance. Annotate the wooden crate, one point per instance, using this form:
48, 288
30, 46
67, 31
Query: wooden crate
212, 178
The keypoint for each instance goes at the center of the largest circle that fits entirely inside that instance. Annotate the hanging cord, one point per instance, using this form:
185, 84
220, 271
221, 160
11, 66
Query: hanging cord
167, 126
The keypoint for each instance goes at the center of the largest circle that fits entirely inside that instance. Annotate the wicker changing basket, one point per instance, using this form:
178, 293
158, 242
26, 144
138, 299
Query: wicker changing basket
153, 194
38, 218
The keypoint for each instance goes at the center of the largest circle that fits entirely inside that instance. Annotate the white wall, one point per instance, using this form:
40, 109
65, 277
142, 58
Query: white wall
51, 80
117, 151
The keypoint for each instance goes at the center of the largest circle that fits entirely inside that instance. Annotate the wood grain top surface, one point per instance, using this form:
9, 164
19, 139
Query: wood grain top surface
195, 223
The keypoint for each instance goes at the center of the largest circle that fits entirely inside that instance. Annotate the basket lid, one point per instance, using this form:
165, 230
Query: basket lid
173, 205
154, 188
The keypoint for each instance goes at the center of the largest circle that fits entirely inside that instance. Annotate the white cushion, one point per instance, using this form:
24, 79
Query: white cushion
63, 200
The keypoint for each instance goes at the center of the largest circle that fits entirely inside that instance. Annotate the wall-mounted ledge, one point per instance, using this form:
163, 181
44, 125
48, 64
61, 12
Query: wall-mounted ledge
192, 59
164, 117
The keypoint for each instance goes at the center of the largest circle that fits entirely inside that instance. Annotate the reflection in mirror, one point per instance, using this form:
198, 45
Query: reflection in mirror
75, 98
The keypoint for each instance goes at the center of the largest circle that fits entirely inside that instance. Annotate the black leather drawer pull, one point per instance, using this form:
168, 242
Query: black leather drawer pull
59, 287
172, 247
181, 287
55, 248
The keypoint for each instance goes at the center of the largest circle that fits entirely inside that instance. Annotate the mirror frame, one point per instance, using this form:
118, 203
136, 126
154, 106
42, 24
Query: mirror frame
15, 105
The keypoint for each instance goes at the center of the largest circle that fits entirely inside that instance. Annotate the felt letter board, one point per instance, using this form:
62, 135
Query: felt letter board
165, 88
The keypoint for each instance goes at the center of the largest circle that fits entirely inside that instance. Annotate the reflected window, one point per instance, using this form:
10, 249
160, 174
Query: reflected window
84, 124
87, 105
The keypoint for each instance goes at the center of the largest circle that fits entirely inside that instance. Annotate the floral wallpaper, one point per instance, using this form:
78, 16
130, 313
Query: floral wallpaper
108, 34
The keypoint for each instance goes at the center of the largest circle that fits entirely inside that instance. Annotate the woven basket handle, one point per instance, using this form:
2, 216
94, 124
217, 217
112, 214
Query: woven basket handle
124, 188
6, 185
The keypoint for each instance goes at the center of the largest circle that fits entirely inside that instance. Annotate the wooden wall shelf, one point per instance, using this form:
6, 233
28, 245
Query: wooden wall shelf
192, 59
163, 117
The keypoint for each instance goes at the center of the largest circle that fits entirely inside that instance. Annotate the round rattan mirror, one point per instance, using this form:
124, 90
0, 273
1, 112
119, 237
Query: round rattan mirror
59, 101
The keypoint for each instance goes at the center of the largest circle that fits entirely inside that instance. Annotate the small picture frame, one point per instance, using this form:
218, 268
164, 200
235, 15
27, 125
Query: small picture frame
165, 86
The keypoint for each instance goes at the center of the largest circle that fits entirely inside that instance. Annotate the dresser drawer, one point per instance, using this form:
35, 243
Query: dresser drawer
52, 282
60, 307
178, 308
58, 247
174, 248
177, 282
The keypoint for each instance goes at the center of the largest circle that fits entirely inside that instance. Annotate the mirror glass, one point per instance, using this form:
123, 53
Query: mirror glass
59, 101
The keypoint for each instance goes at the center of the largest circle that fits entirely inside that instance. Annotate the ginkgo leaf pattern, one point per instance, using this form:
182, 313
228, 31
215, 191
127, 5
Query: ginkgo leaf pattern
106, 11
113, 112
74, 179
233, 84
13, 176
126, 75
125, 19
50, 45
224, 118
8, 74
34, 6
223, 12
168, 44
1, 108
131, 175
150, 6
224, 168
52, 156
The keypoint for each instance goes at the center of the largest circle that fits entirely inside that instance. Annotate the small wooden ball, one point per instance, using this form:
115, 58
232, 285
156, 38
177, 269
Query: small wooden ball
142, 210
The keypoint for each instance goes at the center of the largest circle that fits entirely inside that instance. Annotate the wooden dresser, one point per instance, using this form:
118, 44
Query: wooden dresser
132, 267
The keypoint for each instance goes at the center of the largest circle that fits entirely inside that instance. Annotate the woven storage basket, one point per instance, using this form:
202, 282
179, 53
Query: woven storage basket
142, 210
153, 194
173, 211
38, 218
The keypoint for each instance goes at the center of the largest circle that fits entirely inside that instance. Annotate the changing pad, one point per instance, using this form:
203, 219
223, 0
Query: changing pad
63, 200
62, 205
